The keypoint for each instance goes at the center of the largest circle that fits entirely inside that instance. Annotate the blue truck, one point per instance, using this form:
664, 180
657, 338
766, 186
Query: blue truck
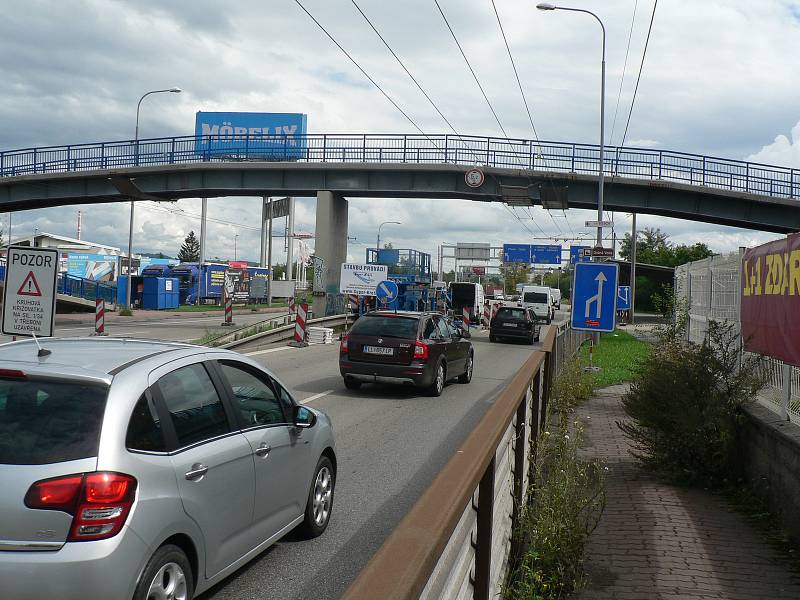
205, 283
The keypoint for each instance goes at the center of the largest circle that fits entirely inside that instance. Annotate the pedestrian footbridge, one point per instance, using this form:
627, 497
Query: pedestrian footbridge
557, 175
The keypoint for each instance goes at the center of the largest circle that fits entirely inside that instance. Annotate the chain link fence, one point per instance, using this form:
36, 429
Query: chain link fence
709, 290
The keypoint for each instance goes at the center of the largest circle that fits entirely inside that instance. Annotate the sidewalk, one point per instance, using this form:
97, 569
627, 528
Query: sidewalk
657, 541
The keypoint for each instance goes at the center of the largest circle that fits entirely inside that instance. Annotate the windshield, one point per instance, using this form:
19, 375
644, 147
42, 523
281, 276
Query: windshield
43, 422
380, 325
535, 298
511, 314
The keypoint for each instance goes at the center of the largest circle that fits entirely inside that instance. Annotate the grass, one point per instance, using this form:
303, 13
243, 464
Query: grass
215, 307
616, 355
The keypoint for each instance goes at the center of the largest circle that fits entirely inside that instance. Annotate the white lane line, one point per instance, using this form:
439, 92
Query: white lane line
269, 351
316, 397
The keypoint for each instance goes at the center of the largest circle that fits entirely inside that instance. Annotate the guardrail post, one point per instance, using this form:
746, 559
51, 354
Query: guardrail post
704, 170
364, 148
660, 162
405, 145
483, 543
747, 177
324, 147
791, 182
572, 165
787, 391
445, 147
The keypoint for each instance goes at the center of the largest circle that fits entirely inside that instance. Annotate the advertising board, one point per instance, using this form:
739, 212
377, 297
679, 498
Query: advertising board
770, 299
272, 135
361, 280
97, 267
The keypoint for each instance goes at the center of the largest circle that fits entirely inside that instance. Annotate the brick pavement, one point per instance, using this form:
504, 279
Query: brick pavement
657, 541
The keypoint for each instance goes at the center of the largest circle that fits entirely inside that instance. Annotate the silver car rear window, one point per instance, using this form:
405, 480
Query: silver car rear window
49, 421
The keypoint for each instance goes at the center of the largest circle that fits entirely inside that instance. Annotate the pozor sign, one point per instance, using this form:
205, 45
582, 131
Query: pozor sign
29, 293
771, 299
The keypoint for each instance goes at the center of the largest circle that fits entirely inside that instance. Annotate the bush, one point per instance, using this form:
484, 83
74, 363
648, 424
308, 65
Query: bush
566, 500
686, 403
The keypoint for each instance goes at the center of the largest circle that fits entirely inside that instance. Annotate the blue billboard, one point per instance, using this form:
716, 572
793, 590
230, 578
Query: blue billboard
273, 136
520, 253
546, 254
576, 254
97, 267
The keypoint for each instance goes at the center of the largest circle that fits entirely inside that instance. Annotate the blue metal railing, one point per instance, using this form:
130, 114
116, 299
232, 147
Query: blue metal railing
560, 157
87, 289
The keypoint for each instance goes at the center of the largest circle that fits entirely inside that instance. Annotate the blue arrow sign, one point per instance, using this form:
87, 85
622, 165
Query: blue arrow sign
520, 253
546, 254
386, 292
576, 254
594, 300
624, 297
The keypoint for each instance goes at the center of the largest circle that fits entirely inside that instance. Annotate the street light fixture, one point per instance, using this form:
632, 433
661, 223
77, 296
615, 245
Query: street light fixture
378, 242
172, 90
549, 6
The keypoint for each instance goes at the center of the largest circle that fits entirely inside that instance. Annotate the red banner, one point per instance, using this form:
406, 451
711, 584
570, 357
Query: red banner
771, 299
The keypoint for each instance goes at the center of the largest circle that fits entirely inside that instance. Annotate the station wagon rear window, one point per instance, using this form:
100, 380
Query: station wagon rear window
49, 421
386, 326
510, 314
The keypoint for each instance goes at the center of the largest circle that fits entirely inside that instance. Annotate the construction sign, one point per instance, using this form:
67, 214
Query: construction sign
29, 293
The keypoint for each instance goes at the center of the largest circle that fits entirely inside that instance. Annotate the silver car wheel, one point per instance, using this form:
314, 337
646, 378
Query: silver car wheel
323, 493
168, 584
469, 367
440, 379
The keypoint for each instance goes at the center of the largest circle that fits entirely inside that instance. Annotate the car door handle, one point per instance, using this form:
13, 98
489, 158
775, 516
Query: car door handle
196, 472
263, 449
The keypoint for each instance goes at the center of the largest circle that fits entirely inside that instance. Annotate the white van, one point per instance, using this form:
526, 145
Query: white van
469, 296
539, 299
556, 294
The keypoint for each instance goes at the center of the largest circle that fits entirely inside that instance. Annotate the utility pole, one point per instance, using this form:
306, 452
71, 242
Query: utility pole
633, 268
269, 252
290, 242
203, 221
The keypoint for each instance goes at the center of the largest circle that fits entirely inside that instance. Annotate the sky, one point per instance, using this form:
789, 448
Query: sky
720, 78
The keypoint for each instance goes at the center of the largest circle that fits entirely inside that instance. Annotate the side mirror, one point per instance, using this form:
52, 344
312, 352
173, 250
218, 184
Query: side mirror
304, 418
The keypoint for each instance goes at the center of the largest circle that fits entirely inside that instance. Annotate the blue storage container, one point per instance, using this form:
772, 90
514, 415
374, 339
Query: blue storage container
160, 293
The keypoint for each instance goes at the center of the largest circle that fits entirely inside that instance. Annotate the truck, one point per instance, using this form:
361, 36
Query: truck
200, 283
556, 295
469, 295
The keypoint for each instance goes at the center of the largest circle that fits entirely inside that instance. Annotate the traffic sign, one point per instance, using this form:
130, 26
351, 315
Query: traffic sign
599, 223
546, 254
520, 253
624, 297
602, 252
576, 253
474, 177
29, 293
386, 292
594, 300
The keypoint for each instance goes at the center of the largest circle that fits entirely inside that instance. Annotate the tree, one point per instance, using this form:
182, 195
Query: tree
513, 274
654, 248
190, 250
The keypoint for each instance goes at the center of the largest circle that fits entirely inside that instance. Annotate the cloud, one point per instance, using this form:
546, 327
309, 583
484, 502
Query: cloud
782, 151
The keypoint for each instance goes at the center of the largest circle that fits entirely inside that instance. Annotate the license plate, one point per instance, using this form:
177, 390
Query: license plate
509, 324
378, 350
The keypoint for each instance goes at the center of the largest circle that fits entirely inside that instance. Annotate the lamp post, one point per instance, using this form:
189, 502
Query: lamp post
548, 6
173, 90
235, 237
378, 242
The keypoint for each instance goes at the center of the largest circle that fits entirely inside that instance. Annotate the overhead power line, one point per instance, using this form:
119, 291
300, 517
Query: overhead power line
624, 68
474, 75
639, 76
363, 72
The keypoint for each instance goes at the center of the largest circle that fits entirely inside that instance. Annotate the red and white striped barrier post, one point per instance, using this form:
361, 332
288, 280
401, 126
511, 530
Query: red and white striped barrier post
487, 315
465, 316
228, 321
99, 316
300, 326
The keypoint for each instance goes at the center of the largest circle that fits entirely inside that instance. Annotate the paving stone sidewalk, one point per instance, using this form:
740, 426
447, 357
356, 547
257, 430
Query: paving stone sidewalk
659, 541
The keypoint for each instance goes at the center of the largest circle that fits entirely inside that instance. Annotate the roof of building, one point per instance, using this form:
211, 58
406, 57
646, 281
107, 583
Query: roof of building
66, 239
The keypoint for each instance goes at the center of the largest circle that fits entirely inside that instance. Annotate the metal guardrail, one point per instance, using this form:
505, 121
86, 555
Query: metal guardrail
282, 332
78, 287
456, 542
559, 157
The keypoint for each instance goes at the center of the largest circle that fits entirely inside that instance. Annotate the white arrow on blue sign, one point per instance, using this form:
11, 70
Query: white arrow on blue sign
594, 302
624, 297
386, 292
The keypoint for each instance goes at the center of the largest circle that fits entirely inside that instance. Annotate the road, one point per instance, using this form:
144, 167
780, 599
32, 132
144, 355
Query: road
391, 443
178, 327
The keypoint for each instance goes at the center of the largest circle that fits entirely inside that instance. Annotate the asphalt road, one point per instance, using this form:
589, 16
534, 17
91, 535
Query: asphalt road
391, 443
177, 328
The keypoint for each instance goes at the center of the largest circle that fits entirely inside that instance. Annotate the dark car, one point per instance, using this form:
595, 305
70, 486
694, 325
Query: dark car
514, 323
423, 349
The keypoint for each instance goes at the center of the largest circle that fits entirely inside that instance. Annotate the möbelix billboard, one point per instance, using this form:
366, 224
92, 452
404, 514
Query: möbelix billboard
770, 299
273, 136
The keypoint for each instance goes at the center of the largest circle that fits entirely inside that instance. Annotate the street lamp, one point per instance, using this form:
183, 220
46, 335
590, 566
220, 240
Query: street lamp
172, 90
378, 242
548, 6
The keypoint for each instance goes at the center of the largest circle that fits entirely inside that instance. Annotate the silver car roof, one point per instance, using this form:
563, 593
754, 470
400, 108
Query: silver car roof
95, 358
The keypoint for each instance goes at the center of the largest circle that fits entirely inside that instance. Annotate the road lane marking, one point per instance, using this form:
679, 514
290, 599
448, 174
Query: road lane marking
316, 396
270, 350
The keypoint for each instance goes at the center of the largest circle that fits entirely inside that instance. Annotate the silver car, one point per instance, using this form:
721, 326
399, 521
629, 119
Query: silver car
149, 470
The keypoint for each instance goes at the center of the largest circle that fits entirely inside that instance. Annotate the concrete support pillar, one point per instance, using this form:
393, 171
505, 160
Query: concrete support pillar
330, 243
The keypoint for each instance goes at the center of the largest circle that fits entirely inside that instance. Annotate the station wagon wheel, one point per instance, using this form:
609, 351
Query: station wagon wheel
320, 500
439, 378
167, 576
466, 377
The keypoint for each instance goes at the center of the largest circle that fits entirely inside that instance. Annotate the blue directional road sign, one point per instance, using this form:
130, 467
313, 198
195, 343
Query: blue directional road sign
624, 297
386, 292
576, 254
546, 254
520, 253
594, 300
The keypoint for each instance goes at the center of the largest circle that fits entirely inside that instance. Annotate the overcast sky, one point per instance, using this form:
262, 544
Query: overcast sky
722, 77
